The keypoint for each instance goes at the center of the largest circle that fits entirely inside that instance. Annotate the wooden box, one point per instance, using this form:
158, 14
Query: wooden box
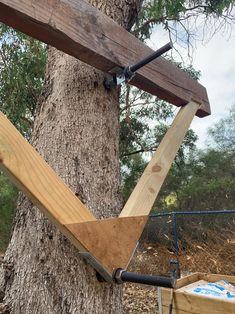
186, 303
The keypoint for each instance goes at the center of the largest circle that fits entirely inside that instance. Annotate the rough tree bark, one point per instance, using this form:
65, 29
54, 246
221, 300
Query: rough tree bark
77, 131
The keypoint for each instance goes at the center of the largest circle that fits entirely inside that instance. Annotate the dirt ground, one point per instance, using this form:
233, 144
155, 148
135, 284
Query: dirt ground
154, 259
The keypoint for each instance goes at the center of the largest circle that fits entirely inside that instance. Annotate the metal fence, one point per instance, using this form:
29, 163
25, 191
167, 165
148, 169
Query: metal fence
185, 235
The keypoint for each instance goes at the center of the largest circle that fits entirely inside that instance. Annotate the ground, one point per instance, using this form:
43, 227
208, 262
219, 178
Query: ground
154, 259
212, 257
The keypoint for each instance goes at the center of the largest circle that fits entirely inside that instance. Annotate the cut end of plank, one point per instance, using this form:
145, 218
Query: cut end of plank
204, 110
111, 242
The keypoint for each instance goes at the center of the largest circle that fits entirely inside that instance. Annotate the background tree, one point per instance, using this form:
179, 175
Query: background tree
206, 181
144, 121
186, 21
22, 67
8, 194
223, 133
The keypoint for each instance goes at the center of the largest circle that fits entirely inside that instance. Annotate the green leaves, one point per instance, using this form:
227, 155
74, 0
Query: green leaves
8, 194
144, 121
206, 181
223, 132
179, 17
22, 66
211, 183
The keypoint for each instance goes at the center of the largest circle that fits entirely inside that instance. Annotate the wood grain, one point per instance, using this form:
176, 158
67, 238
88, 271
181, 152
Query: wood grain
197, 304
35, 177
184, 302
145, 192
216, 277
111, 241
82, 31
188, 279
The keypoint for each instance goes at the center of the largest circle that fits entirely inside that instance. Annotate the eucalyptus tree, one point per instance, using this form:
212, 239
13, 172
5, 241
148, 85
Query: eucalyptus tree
76, 129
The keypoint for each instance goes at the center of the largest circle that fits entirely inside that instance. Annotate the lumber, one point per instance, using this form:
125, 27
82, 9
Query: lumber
185, 302
31, 174
108, 244
111, 241
78, 29
145, 192
196, 304
184, 281
217, 277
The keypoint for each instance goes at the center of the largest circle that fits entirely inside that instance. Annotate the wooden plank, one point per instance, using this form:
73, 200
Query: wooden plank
111, 241
184, 281
217, 277
145, 192
82, 31
197, 304
34, 176
188, 303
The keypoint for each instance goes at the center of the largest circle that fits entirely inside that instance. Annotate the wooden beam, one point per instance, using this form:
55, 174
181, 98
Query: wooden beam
187, 303
82, 31
108, 244
111, 242
145, 192
35, 177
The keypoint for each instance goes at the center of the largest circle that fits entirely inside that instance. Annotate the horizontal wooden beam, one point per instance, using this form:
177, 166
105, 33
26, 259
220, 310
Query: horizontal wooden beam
145, 192
82, 31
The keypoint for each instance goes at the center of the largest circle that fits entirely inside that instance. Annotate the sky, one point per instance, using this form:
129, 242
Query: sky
216, 61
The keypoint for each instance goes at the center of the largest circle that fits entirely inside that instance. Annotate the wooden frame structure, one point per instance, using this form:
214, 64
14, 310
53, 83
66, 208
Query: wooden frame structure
79, 29
187, 303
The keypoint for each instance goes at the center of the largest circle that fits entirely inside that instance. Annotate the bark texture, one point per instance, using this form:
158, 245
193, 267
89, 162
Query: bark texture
77, 132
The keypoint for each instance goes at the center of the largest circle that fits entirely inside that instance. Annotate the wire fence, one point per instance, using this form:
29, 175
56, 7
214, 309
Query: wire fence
188, 242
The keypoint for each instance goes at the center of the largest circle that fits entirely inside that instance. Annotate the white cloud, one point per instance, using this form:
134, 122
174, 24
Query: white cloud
216, 61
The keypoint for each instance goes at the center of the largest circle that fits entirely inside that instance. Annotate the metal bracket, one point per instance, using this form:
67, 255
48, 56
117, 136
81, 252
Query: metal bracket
119, 76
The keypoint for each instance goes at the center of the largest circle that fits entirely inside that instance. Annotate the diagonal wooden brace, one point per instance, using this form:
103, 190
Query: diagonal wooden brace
107, 244
144, 194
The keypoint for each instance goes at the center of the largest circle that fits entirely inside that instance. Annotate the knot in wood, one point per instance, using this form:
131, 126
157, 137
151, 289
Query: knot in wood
156, 168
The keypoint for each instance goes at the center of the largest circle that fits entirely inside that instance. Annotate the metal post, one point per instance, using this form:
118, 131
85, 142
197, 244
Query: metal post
175, 235
175, 264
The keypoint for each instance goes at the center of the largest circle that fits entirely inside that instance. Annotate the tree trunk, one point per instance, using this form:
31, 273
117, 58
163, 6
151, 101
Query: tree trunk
77, 132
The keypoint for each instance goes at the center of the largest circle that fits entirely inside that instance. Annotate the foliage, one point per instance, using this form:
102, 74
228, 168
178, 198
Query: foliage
184, 19
8, 194
211, 182
223, 133
206, 181
144, 121
22, 65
